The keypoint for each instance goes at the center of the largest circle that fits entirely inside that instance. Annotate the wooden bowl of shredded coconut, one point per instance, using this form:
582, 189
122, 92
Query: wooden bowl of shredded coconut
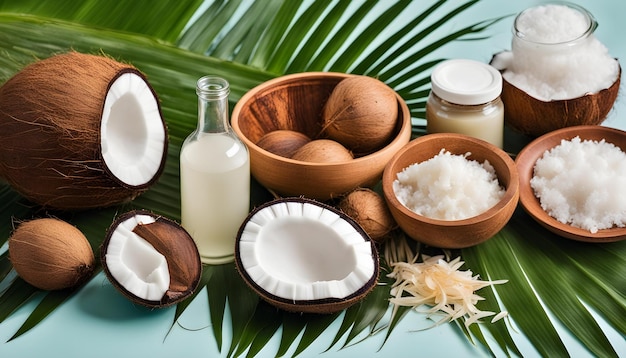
572, 182
451, 190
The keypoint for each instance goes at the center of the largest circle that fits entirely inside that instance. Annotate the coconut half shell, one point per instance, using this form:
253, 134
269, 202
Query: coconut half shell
531, 116
80, 131
301, 255
150, 259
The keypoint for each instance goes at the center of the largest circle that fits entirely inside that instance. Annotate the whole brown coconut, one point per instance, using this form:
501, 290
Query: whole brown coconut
51, 254
361, 114
80, 131
323, 151
283, 142
370, 211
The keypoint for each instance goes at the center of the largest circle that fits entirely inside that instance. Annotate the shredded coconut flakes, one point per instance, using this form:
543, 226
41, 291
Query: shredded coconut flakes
440, 284
582, 183
448, 187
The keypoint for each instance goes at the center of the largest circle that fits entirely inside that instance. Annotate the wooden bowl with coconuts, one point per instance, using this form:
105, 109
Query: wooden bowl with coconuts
441, 192
576, 190
321, 134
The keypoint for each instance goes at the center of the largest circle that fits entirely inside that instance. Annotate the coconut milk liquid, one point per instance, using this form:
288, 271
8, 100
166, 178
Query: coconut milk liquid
215, 194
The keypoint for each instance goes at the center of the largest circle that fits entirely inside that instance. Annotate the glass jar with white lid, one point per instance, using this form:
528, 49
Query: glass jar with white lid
465, 99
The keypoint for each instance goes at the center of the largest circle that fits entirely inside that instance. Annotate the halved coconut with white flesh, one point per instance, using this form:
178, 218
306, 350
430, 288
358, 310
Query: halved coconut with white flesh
80, 131
301, 255
150, 259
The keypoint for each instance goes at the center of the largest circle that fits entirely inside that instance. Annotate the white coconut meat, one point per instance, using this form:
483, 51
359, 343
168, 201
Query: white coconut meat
135, 263
300, 251
132, 135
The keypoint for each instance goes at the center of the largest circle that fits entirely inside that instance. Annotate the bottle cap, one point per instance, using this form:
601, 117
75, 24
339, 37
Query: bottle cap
466, 82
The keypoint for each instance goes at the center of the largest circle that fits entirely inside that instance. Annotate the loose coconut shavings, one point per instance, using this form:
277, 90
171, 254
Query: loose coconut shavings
580, 182
448, 187
440, 284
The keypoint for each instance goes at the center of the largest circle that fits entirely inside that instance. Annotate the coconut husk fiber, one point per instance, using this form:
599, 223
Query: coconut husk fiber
50, 119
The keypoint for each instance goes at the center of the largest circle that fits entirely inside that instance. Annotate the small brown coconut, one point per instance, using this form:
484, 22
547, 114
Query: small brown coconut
535, 117
283, 142
51, 254
370, 211
151, 260
80, 131
361, 114
323, 151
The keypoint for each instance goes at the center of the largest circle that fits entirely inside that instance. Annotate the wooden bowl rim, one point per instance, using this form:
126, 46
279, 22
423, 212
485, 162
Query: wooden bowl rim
525, 162
405, 126
510, 197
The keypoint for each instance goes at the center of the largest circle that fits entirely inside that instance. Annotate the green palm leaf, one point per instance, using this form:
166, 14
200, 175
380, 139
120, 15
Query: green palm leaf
172, 16
546, 271
270, 38
202, 32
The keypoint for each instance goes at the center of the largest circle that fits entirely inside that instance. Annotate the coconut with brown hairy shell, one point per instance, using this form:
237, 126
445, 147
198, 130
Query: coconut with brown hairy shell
323, 151
361, 114
369, 210
51, 254
283, 142
151, 260
80, 131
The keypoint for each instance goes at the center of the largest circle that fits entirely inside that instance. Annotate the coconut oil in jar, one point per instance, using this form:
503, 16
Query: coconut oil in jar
552, 32
214, 176
555, 54
465, 99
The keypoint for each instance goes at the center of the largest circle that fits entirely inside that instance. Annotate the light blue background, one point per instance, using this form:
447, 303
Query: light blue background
99, 322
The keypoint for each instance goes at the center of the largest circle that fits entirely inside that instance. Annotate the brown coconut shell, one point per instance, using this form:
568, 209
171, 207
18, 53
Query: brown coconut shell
531, 116
315, 306
361, 113
50, 121
283, 142
323, 151
51, 254
173, 242
370, 211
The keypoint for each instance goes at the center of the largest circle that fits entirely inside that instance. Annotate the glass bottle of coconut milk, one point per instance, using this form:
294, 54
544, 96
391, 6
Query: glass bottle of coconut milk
214, 176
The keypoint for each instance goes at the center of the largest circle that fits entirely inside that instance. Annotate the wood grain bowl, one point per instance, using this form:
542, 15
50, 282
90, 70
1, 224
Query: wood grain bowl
453, 234
526, 160
295, 102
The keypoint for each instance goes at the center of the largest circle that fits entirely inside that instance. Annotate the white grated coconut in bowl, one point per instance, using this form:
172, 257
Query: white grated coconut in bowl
448, 187
581, 183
